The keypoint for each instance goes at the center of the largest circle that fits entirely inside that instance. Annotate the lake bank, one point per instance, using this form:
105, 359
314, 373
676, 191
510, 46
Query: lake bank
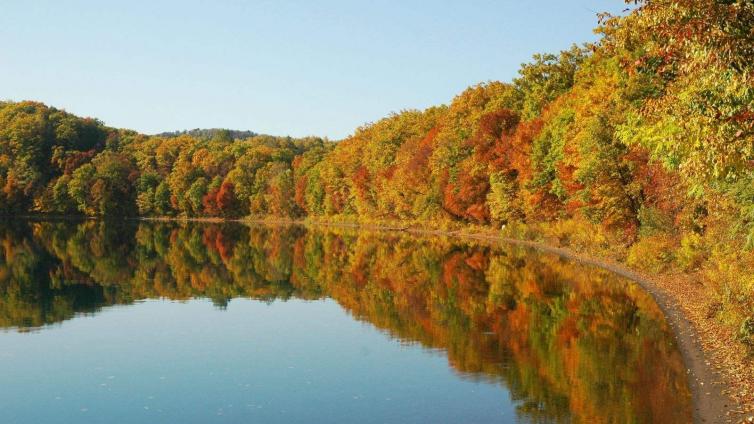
708, 386
720, 391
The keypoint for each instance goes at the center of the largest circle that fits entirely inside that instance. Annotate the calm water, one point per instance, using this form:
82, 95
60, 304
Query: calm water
205, 323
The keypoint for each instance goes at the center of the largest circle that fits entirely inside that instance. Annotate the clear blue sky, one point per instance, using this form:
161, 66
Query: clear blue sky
294, 68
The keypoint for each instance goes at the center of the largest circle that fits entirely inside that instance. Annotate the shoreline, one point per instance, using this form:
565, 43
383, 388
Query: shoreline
707, 385
710, 404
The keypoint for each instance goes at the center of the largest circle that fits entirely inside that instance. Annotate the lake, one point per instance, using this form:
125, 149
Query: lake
149, 322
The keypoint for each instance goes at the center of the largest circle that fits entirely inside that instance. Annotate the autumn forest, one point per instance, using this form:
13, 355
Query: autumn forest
639, 147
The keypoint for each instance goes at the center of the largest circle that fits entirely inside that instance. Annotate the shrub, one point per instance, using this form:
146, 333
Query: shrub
653, 221
746, 332
653, 254
691, 253
580, 235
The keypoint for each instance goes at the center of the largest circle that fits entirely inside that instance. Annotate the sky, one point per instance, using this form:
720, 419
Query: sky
281, 67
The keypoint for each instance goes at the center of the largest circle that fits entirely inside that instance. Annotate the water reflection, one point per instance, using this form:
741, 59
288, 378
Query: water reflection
570, 343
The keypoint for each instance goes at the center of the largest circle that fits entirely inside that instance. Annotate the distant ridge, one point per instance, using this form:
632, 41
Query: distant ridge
209, 133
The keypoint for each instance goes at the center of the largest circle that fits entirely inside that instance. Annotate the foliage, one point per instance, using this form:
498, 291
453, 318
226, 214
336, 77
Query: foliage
652, 253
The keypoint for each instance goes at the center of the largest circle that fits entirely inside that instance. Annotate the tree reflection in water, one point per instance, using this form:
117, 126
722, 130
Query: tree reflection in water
570, 342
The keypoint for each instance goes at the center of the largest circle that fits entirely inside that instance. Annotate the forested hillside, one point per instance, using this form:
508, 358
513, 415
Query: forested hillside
641, 144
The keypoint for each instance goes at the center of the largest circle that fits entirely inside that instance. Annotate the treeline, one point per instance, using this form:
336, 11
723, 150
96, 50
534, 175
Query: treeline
637, 132
209, 133
647, 135
52, 162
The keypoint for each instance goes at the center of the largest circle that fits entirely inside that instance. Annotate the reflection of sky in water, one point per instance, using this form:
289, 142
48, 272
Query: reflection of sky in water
293, 361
